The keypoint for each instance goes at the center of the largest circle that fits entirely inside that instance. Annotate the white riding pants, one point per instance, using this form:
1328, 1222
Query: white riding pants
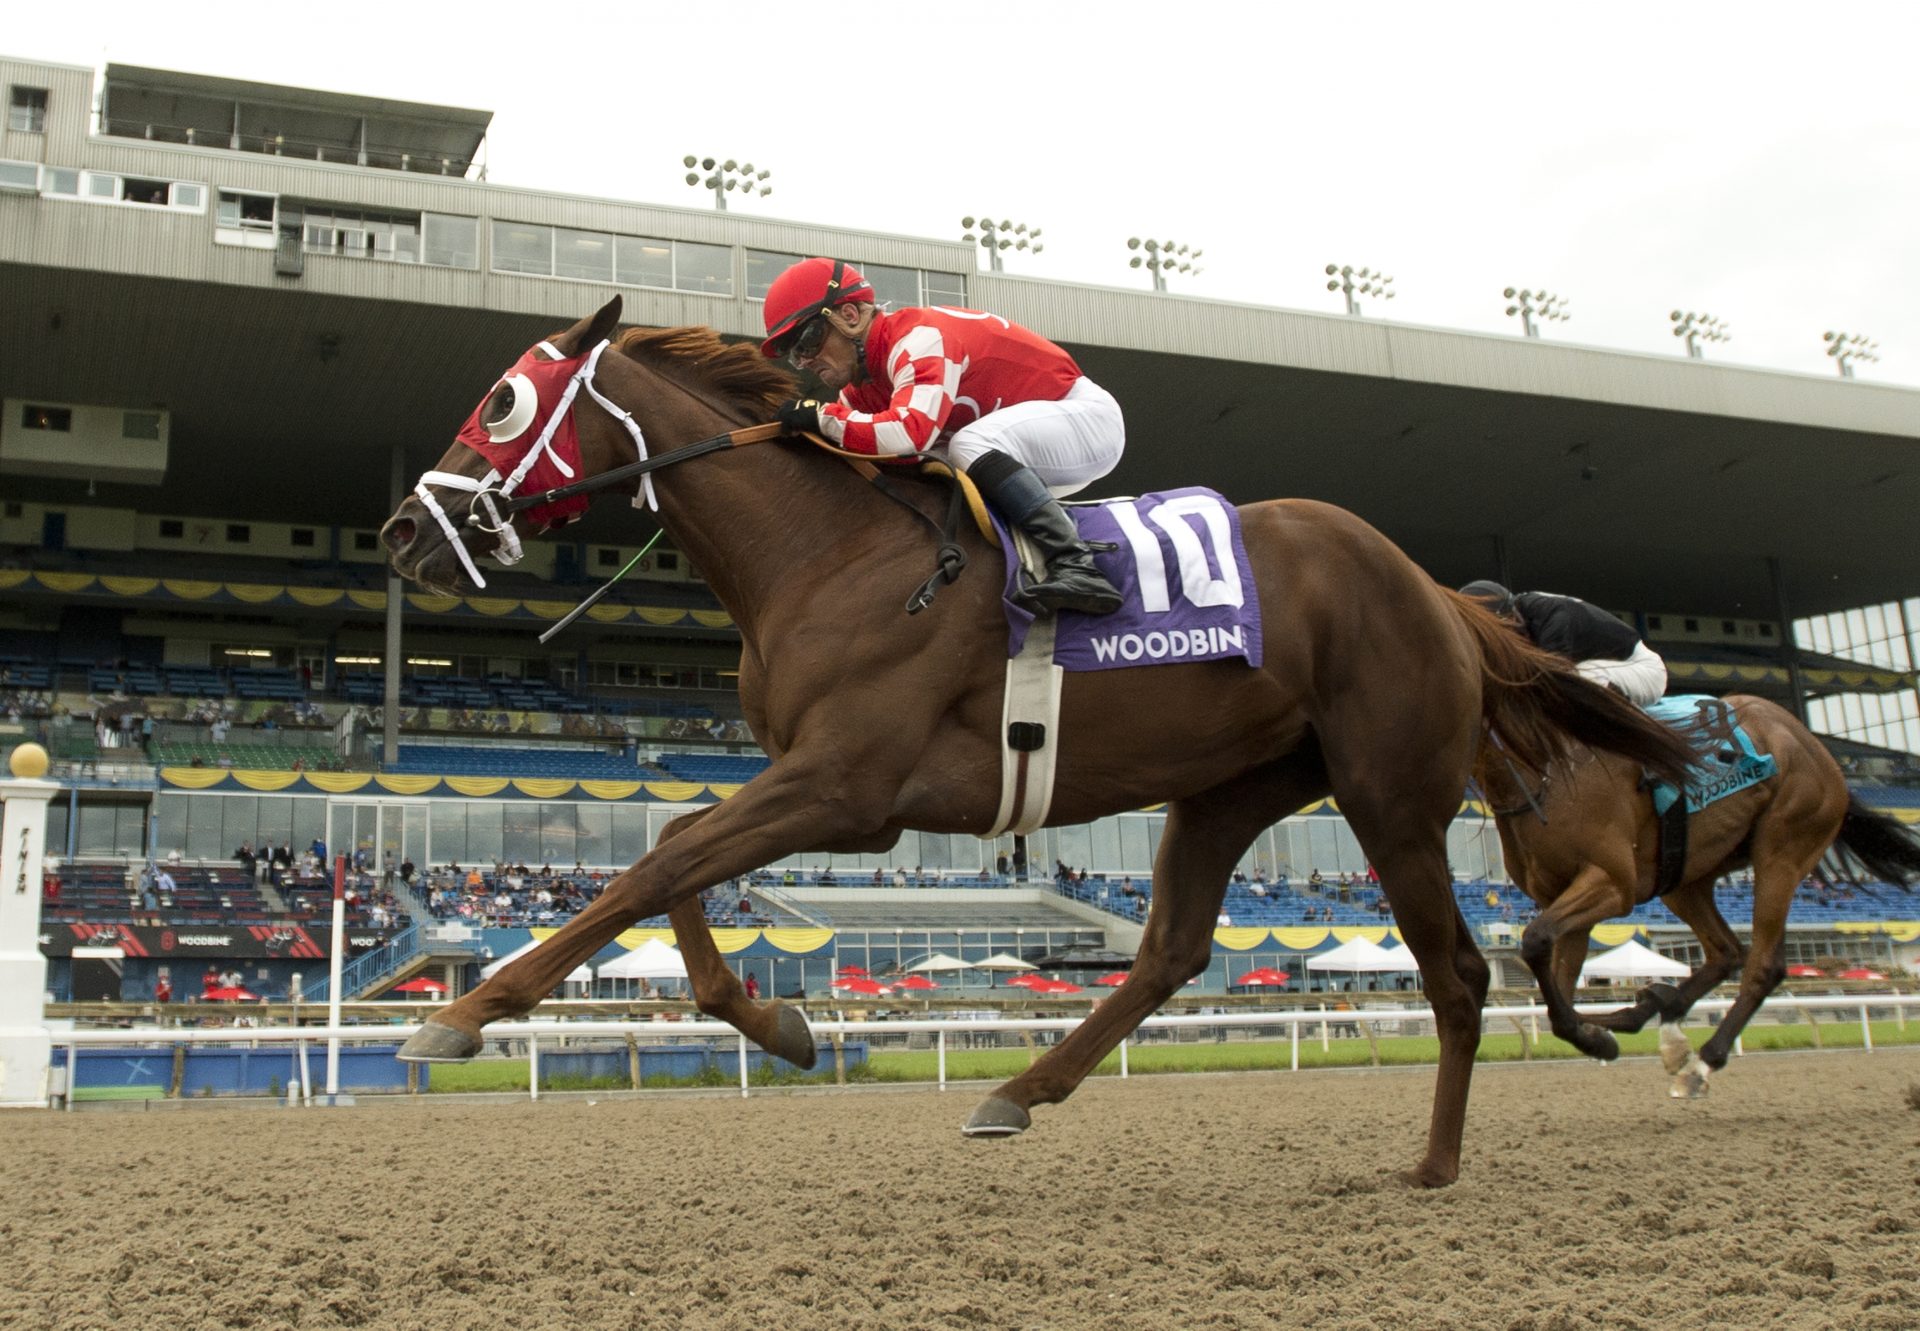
1068, 444
1642, 677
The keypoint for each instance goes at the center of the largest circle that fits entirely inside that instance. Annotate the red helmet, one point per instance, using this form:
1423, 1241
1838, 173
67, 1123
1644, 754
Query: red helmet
810, 287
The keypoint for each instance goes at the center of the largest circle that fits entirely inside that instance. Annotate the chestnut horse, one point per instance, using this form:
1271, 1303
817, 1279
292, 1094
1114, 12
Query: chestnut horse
1376, 687
1584, 845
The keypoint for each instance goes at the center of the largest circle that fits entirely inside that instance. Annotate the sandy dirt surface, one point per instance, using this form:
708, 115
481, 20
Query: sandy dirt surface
1788, 1198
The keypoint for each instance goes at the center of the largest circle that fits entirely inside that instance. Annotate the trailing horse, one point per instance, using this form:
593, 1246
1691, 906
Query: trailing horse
1375, 688
1585, 844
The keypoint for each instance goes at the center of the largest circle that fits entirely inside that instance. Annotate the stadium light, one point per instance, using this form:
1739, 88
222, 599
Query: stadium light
1529, 305
1160, 257
995, 237
1698, 328
1353, 282
1846, 348
725, 176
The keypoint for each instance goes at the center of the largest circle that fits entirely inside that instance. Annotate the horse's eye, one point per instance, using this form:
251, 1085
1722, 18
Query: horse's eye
510, 408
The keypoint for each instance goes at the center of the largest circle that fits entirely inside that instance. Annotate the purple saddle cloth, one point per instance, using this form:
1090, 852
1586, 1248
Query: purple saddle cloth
1181, 567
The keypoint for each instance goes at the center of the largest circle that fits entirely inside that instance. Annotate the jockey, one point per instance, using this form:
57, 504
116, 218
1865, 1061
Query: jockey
998, 402
1600, 646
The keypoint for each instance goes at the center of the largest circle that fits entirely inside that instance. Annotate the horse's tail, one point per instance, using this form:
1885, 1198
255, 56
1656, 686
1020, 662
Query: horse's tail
1883, 846
1537, 703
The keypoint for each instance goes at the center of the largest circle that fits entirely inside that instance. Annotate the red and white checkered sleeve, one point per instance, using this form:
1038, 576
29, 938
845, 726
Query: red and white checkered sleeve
925, 383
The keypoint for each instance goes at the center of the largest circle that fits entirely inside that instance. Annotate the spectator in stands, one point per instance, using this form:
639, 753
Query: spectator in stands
211, 980
1493, 897
752, 986
163, 990
246, 857
319, 849
407, 871
474, 881
219, 730
1315, 881
1002, 866
1225, 921
164, 885
746, 905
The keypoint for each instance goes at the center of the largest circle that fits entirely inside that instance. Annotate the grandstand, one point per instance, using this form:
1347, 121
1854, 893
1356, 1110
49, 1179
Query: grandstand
204, 640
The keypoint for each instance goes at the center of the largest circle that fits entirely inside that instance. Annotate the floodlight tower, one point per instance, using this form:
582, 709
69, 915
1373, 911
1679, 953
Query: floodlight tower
1698, 328
1530, 304
1161, 257
1846, 348
725, 176
1354, 282
1002, 235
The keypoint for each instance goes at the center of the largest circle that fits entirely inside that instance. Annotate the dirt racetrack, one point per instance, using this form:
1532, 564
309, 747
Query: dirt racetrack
1787, 1198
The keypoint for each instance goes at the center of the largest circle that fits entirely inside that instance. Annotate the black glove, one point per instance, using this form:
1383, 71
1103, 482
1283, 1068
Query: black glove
801, 414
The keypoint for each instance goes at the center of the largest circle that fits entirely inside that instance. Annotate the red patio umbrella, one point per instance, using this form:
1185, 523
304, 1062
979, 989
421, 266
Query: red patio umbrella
859, 984
1050, 987
1862, 973
1026, 980
916, 982
420, 984
228, 994
851, 970
1112, 978
1263, 975
1804, 972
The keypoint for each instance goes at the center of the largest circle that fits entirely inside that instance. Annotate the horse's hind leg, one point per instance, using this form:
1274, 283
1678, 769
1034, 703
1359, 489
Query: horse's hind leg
1205, 836
1777, 870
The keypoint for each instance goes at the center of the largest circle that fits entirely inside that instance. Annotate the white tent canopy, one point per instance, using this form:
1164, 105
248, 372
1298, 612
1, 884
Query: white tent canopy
579, 975
652, 960
1359, 954
1632, 960
1004, 961
940, 961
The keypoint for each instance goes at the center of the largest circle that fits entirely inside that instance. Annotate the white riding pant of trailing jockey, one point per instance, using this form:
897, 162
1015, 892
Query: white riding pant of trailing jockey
509, 551
1068, 443
1642, 677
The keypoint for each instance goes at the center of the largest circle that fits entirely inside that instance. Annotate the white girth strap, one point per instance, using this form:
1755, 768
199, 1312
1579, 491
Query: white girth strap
1029, 733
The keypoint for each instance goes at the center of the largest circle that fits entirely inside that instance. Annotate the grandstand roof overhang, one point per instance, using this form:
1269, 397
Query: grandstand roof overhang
1639, 482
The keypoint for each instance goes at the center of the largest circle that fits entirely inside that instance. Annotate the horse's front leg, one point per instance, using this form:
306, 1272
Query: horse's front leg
1593, 896
792, 805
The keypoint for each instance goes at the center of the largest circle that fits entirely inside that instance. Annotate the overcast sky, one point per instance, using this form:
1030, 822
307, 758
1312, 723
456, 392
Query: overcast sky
1757, 162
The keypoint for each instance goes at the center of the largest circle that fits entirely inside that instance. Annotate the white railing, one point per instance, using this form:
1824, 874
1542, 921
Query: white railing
533, 1031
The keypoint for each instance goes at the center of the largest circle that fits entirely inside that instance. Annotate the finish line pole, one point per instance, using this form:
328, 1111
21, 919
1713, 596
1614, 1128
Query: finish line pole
333, 972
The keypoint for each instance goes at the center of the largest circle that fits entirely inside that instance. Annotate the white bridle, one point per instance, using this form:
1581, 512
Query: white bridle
483, 488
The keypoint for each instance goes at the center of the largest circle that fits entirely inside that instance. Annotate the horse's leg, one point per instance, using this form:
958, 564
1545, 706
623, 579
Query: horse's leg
776, 1027
1777, 870
1204, 838
1693, 903
794, 804
1593, 896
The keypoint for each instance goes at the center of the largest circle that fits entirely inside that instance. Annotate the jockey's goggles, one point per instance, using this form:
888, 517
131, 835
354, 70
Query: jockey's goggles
809, 340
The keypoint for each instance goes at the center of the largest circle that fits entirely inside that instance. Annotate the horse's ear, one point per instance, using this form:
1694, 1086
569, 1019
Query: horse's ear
603, 323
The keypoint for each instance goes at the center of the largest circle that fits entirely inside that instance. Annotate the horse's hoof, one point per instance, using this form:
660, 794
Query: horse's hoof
437, 1042
1596, 1043
793, 1039
1429, 1176
998, 1118
1674, 1048
1691, 1084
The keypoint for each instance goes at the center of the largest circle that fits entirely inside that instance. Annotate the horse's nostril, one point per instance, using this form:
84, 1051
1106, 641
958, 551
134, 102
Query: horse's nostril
397, 535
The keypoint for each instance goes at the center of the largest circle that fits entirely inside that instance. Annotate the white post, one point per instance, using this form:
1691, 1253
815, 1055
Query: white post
333, 972
942, 1045
73, 1070
1326, 1045
1123, 1058
743, 1067
1294, 1027
306, 1077
533, 1067
1866, 1031
26, 1049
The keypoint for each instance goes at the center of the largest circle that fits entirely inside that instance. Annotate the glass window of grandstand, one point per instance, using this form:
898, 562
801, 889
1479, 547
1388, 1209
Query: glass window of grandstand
236, 210
450, 242
763, 266
585, 256
20, 177
27, 109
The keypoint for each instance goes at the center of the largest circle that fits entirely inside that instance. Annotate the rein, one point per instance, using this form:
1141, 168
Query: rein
951, 559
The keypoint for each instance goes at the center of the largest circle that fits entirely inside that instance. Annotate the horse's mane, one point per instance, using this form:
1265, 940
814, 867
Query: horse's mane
734, 370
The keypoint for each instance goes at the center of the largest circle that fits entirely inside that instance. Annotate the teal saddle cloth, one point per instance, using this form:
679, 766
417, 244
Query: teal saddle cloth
1726, 760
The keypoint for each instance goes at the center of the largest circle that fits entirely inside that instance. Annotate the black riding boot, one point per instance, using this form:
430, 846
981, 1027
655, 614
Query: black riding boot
1072, 581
